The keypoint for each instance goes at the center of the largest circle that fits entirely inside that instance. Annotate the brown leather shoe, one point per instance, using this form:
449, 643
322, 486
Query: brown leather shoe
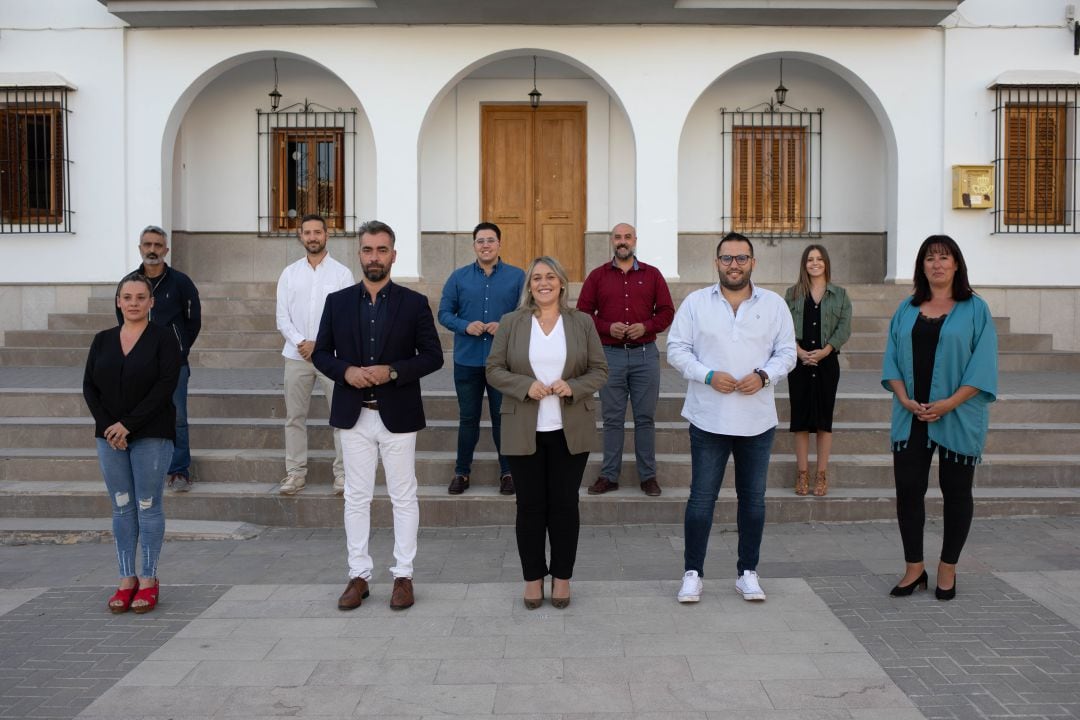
458, 484
402, 596
506, 484
651, 488
602, 485
355, 594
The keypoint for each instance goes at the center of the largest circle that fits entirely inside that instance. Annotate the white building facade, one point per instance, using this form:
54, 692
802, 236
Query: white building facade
416, 119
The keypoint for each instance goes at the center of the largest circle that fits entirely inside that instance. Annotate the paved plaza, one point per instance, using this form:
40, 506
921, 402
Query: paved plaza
248, 628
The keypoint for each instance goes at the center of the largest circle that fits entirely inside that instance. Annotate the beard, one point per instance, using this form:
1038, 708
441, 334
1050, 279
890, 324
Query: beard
623, 252
375, 273
314, 248
152, 259
731, 284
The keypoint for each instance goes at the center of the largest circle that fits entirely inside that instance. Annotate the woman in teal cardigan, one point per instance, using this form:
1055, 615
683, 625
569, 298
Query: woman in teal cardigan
941, 365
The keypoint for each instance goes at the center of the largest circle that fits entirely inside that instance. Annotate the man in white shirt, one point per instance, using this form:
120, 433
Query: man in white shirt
731, 341
301, 294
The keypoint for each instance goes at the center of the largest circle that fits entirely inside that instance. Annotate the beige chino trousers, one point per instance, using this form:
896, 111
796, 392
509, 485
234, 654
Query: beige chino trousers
300, 377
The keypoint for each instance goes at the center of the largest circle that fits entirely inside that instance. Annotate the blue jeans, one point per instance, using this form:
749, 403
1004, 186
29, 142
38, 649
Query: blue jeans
634, 375
470, 383
135, 479
708, 458
181, 457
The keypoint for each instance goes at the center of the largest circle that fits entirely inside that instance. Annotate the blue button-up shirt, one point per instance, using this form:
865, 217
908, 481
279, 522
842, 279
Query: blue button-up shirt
372, 322
469, 295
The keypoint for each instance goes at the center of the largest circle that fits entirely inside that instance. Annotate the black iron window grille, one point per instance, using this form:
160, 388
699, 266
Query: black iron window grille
771, 171
35, 185
306, 165
1035, 160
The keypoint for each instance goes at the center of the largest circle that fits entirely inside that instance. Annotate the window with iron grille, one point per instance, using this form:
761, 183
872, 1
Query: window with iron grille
1035, 163
306, 165
34, 160
775, 166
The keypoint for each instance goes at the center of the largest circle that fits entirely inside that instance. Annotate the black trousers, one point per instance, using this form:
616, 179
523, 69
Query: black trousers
547, 485
911, 472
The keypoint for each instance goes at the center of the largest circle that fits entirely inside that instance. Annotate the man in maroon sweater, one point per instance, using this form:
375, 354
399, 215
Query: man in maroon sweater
630, 303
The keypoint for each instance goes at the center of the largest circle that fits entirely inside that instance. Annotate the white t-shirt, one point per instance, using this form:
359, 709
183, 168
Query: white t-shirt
547, 356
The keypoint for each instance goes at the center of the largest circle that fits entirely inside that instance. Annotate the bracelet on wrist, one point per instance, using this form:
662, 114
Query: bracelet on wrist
708, 378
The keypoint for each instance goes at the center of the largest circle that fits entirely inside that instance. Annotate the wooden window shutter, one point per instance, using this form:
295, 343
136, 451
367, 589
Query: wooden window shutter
769, 186
1035, 165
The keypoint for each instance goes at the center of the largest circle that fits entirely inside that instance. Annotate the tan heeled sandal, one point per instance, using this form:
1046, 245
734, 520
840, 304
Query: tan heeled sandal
802, 482
821, 484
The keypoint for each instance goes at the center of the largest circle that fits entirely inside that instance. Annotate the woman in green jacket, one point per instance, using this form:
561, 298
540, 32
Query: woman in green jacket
821, 312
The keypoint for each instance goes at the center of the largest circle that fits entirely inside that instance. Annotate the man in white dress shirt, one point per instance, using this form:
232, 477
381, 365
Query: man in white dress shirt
301, 294
731, 341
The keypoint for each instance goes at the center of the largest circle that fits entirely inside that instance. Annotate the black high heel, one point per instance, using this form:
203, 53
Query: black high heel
945, 594
920, 583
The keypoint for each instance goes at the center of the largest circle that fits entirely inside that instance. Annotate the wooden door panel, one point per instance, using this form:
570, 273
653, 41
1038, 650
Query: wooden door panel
533, 182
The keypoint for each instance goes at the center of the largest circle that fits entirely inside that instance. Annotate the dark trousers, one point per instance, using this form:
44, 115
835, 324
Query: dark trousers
547, 485
911, 472
470, 384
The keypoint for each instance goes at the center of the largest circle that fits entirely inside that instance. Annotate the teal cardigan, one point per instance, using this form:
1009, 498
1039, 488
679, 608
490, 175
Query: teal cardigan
966, 355
835, 315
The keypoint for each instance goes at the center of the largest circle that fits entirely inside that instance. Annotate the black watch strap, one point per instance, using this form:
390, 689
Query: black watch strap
763, 375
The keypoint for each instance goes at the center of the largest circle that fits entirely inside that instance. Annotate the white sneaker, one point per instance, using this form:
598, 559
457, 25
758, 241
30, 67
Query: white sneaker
691, 587
748, 586
292, 485
339, 486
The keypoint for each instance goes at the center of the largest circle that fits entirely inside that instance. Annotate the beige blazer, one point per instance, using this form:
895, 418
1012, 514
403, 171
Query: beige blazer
509, 371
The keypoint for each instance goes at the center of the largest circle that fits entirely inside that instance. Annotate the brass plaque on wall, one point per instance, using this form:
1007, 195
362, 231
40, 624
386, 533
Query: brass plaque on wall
972, 187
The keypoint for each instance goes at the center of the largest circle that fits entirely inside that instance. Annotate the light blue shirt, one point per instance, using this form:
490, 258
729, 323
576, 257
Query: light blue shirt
708, 335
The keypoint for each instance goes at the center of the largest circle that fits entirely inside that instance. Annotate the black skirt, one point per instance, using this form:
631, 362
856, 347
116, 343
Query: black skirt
812, 389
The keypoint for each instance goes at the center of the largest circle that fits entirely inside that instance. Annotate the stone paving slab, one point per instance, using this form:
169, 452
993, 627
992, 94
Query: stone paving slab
255, 652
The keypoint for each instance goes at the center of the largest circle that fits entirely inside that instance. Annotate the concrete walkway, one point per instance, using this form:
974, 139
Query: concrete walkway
249, 629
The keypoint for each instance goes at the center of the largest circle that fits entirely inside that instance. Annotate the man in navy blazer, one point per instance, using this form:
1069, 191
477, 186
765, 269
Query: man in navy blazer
376, 340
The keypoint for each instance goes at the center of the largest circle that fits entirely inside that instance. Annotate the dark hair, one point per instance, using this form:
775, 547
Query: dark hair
134, 277
487, 226
802, 285
961, 288
735, 237
374, 227
313, 216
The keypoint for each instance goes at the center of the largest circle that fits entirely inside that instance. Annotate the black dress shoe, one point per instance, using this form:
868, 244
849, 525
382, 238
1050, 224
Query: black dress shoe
506, 484
458, 484
904, 590
945, 594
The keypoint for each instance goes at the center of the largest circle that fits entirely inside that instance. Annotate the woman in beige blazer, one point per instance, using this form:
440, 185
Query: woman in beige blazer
547, 361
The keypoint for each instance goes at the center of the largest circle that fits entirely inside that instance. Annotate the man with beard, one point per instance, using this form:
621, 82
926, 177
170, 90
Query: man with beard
376, 340
177, 307
630, 303
731, 341
301, 294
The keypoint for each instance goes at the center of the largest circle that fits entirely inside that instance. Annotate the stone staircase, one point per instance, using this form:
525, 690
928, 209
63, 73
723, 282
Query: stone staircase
49, 468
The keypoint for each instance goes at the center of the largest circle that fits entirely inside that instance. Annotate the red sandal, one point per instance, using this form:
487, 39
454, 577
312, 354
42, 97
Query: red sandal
125, 596
150, 595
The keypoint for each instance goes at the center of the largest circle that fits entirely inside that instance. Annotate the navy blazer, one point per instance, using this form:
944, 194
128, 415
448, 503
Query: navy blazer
409, 342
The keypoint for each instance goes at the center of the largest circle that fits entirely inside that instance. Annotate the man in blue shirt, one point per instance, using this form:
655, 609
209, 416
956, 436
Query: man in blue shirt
474, 299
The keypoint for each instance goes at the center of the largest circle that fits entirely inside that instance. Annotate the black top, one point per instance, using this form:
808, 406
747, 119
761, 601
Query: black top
372, 322
811, 329
137, 389
924, 341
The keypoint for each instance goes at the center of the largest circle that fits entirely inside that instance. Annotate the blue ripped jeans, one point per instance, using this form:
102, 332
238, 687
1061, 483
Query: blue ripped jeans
135, 479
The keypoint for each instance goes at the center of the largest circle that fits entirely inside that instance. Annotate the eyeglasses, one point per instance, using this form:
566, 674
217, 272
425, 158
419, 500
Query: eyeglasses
739, 259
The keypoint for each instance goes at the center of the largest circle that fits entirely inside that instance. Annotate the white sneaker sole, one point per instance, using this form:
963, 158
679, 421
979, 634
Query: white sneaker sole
689, 598
756, 597
291, 491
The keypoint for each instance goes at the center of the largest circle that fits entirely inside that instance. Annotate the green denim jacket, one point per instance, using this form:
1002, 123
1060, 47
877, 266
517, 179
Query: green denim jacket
835, 315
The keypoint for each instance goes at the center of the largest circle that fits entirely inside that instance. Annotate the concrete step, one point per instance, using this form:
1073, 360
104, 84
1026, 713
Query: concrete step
433, 469
441, 435
1008, 361
260, 504
442, 405
68, 531
81, 339
223, 323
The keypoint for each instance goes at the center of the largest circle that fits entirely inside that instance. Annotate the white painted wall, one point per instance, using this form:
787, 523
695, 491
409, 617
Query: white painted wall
216, 179
852, 149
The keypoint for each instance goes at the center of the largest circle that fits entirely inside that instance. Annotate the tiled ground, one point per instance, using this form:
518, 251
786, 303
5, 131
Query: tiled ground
249, 629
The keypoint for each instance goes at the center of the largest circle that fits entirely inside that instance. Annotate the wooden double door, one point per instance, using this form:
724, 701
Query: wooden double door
533, 186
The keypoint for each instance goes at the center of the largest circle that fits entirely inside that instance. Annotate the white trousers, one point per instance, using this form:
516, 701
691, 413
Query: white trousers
300, 378
362, 445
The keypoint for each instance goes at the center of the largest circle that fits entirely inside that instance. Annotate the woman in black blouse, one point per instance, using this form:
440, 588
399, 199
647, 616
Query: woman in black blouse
131, 373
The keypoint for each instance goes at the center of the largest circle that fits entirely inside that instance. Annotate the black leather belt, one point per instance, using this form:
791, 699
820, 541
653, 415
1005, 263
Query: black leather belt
371, 404
629, 346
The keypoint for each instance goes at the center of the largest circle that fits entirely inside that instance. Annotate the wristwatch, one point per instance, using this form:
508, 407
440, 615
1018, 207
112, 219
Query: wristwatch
393, 373
764, 377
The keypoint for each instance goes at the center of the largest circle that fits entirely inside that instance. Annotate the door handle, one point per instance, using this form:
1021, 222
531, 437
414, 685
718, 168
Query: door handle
559, 216
508, 217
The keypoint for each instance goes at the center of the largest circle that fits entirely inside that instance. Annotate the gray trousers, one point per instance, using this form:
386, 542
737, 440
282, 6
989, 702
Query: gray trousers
633, 375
